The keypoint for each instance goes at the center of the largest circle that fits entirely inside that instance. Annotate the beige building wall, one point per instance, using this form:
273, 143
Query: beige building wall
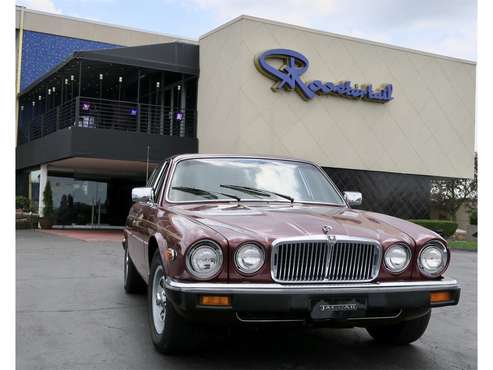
90, 30
428, 128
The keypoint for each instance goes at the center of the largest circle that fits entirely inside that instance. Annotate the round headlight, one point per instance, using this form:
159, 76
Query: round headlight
249, 258
397, 258
204, 260
432, 259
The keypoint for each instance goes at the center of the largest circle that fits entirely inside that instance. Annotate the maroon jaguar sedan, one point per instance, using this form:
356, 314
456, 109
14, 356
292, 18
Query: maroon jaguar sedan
229, 239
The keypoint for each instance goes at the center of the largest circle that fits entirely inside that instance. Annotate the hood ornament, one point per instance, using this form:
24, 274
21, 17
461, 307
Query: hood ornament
326, 229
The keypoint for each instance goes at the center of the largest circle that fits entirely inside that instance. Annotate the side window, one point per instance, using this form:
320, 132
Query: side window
158, 186
153, 176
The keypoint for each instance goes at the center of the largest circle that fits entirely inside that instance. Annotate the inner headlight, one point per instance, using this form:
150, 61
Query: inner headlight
397, 258
204, 260
249, 258
433, 259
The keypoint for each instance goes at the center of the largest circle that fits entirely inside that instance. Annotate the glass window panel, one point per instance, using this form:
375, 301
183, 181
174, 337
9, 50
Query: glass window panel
79, 202
301, 181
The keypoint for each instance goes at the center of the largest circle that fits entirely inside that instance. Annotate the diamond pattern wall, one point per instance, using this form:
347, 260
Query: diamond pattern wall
428, 129
399, 195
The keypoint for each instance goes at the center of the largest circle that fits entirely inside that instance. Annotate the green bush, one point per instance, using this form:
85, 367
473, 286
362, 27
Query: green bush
473, 217
48, 210
443, 227
21, 202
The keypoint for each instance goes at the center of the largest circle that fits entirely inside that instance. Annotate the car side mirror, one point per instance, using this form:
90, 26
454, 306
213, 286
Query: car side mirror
353, 198
142, 195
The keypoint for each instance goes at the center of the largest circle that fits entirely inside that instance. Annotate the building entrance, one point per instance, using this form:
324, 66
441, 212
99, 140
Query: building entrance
91, 203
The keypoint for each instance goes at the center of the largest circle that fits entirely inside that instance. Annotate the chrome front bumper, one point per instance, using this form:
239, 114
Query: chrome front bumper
326, 289
274, 302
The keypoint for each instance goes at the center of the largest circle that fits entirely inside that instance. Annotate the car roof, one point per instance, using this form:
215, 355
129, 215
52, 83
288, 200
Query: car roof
179, 157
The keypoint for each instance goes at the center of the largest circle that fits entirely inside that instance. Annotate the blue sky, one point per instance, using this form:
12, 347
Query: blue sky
445, 27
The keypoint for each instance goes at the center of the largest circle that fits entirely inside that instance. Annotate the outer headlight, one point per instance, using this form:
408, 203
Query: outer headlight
249, 258
433, 258
397, 258
204, 259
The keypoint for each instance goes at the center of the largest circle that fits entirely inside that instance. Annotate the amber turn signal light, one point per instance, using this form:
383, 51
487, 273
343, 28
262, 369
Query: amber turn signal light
215, 300
436, 297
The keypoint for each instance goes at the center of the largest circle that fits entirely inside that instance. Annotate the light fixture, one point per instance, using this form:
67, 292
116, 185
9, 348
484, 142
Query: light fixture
157, 84
100, 76
215, 300
438, 297
120, 79
204, 259
433, 259
249, 258
71, 77
397, 258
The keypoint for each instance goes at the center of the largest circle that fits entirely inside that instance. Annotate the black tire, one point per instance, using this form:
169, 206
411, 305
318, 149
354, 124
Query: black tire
402, 333
177, 336
132, 281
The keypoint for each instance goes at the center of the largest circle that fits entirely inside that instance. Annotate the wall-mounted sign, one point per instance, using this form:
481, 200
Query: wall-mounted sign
288, 77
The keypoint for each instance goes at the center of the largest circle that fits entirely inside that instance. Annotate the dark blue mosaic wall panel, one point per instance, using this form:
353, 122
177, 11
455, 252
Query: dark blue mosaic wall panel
41, 52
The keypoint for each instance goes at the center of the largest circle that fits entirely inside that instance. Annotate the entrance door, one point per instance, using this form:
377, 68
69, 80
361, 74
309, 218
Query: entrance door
79, 202
99, 191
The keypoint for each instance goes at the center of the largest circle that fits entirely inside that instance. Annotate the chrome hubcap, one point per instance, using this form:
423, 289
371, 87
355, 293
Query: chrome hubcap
158, 300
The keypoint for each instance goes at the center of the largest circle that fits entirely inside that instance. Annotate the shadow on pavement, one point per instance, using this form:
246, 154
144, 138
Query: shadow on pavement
297, 348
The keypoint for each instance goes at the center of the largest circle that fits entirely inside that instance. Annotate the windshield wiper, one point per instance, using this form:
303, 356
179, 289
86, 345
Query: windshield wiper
205, 193
256, 191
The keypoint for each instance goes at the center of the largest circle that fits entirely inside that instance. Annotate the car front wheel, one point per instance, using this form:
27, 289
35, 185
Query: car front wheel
404, 332
169, 331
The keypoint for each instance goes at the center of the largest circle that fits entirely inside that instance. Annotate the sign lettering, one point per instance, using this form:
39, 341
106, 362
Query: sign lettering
288, 77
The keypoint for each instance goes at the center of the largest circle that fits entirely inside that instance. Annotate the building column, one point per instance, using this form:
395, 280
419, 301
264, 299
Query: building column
43, 179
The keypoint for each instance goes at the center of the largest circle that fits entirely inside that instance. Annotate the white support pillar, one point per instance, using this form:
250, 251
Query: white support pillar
43, 179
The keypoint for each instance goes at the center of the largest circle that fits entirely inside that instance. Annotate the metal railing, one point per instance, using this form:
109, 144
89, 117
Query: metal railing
86, 112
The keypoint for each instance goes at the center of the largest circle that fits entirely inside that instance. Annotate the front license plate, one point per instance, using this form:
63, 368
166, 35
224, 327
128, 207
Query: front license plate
335, 310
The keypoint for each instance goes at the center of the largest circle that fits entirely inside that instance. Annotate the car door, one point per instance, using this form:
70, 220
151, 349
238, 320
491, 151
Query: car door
149, 216
136, 228
150, 213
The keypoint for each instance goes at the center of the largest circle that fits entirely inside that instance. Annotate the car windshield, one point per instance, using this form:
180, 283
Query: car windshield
250, 179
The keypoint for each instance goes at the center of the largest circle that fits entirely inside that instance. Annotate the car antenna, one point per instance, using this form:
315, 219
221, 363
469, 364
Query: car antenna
147, 164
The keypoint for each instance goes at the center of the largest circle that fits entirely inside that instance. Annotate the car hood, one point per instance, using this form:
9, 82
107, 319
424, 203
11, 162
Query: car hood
267, 222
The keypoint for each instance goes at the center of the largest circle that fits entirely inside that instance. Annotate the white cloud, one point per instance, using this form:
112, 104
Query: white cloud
441, 26
42, 5
290, 11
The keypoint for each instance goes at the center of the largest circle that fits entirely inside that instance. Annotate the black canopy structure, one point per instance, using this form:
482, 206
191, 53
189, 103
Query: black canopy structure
176, 57
145, 93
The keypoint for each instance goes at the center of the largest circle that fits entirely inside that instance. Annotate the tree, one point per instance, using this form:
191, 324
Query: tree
450, 194
48, 210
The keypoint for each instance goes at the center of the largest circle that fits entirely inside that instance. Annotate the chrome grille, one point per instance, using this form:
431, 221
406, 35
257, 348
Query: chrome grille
321, 260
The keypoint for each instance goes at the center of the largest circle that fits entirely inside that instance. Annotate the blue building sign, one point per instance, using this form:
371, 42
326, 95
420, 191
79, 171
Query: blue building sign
288, 77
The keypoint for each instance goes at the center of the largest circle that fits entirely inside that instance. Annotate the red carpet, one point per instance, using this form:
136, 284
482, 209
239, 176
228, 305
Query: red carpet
89, 235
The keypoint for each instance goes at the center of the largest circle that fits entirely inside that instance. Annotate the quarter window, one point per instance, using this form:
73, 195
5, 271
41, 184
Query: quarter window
160, 181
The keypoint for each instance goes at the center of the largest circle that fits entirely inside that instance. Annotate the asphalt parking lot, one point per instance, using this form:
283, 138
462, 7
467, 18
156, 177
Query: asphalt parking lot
72, 313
